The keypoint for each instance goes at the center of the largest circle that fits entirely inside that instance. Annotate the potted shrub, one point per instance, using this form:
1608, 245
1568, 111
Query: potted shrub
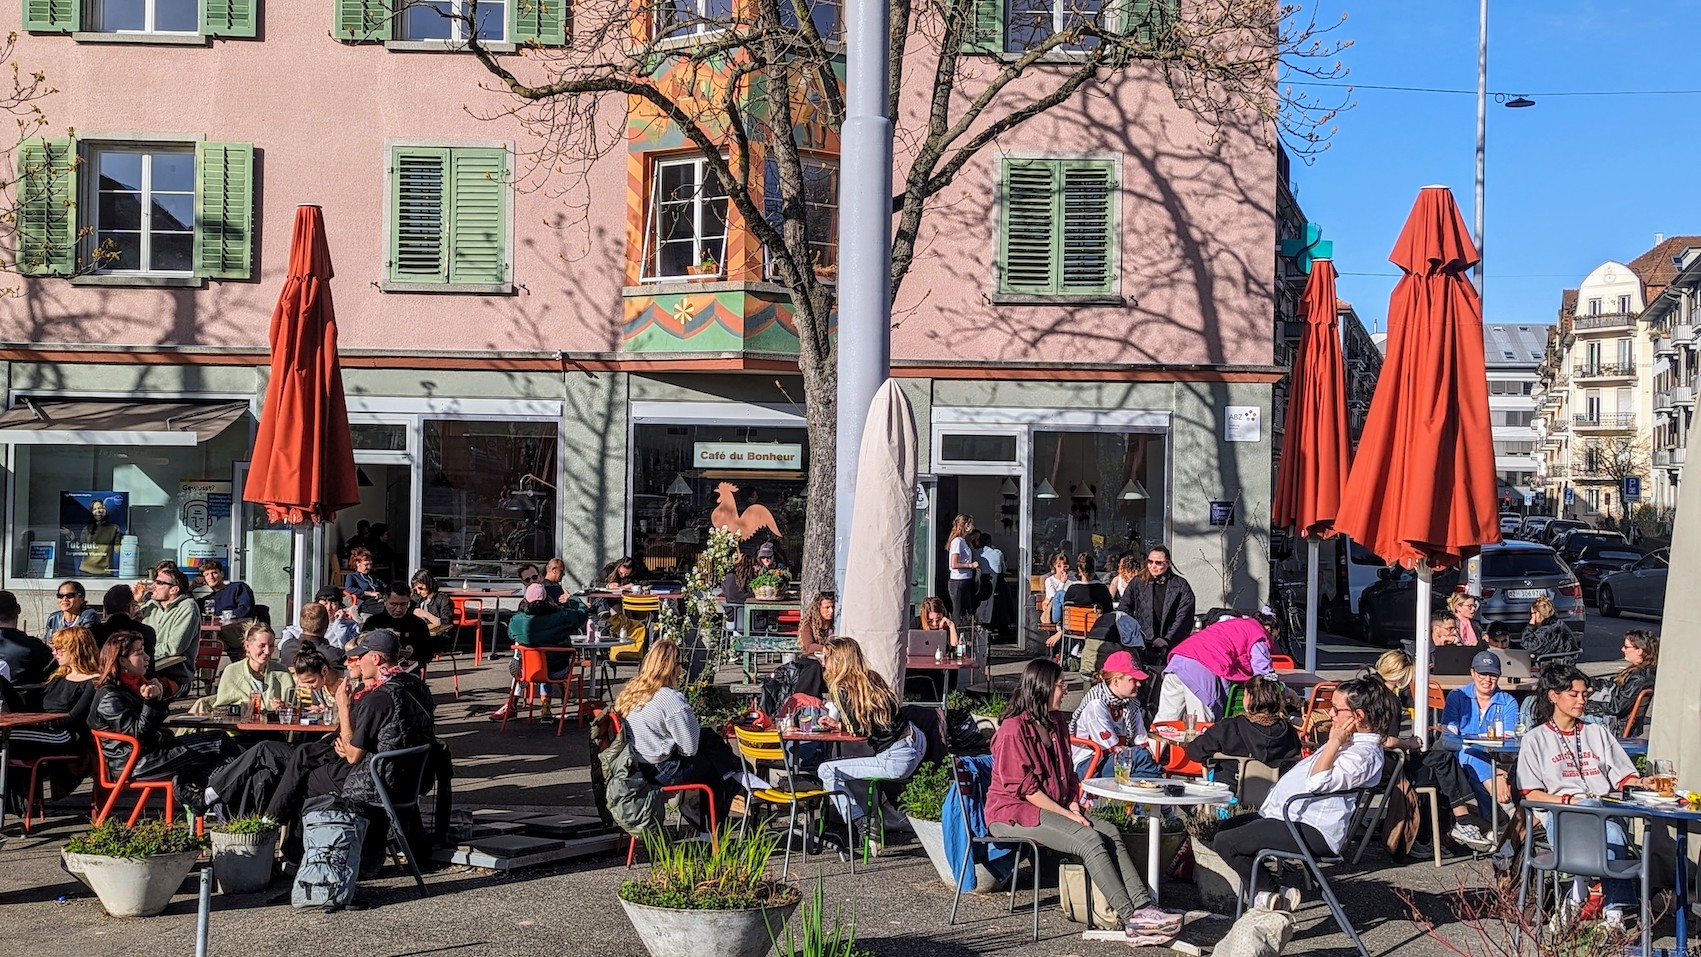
1136, 831
244, 851
923, 803
813, 937
984, 708
133, 870
1218, 884
766, 586
702, 900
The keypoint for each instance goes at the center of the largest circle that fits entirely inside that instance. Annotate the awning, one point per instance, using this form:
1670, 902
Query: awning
86, 422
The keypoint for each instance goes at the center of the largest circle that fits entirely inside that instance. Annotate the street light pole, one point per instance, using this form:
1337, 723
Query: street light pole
1482, 132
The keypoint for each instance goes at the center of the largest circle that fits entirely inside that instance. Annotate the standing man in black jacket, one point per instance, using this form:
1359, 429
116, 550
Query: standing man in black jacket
1162, 602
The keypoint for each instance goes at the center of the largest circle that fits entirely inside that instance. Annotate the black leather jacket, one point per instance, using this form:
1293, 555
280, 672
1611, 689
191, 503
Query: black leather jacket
117, 708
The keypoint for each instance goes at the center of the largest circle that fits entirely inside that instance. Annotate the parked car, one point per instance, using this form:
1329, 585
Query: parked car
1532, 528
1598, 561
1571, 544
1509, 523
1557, 527
1514, 574
1641, 588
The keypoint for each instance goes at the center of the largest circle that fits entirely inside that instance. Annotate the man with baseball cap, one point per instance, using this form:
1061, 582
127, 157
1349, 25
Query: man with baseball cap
1472, 711
1110, 717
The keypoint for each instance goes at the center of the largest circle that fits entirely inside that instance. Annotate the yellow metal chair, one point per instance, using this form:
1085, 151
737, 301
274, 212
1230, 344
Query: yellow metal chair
633, 625
763, 750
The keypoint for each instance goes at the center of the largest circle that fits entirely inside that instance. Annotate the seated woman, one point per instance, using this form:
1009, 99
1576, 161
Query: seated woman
128, 702
1232, 650
670, 746
1110, 717
258, 673
860, 702
934, 617
1565, 760
816, 627
1612, 697
434, 607
316, 681
542, 623
364, 591
1086, 591
70, 688
1263, 733
1056, 584
1350, 759
1033, 795
1463, 607
1547, 636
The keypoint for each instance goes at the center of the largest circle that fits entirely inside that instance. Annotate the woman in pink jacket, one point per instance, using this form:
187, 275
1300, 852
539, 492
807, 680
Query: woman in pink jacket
1196, 677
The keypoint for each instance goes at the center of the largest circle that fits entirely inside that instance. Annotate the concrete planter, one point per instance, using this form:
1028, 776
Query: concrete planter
132, 888
242, 863
931, 836
1218, 884
666, 932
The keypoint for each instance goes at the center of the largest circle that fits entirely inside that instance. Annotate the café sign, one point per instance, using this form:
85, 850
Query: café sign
779, 456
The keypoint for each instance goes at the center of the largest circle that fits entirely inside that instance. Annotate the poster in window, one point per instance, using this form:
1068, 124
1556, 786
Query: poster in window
204, 513
41, 557
91, 526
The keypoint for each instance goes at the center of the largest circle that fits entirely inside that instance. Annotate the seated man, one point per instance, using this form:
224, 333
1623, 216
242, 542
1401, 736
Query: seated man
309, 635
341, 626
1472, 711
27, 659
1443, 629
418, 646
1351, 759
227, 596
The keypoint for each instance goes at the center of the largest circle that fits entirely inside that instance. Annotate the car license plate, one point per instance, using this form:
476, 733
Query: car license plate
1526, 594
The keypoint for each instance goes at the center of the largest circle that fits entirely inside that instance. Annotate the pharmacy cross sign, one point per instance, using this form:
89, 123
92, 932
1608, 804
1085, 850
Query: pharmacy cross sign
1308, 247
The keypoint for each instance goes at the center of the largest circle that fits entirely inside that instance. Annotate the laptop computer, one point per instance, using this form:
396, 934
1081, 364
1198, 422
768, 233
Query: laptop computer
1452, 659
923, 642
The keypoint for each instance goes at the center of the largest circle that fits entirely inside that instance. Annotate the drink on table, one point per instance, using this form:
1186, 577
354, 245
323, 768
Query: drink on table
1120, 767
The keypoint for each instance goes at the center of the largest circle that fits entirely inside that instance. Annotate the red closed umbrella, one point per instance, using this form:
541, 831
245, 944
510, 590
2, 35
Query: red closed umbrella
302, 468
1421, 492
1314, 443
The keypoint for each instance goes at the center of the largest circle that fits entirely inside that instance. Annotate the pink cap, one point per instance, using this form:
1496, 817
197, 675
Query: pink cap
1122, 662
536, 592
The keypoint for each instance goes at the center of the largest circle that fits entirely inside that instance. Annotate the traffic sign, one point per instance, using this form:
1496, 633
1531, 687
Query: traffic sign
1633, 488
1570, 496
1541, 497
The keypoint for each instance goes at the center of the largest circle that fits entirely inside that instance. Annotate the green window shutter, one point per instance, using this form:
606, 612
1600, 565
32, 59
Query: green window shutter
478, 216
538, 21
1029, 232
47, 207
53, 16
1145, 21
230, 18
1085, 255
362, 20
419, 222
224, 210
985, 29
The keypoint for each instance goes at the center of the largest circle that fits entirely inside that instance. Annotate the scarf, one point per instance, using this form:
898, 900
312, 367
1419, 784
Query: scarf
384, 674
133, 682
1118, 708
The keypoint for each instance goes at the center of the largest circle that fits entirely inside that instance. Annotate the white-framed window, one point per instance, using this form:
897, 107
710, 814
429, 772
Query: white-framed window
686, 18
144, 208
147, 16
685, 227
1594, 307
821, 209
1029, 23
826, 15
448, 20
1624, 305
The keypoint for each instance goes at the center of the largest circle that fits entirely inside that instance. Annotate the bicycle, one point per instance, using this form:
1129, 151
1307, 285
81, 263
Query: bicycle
1287, 600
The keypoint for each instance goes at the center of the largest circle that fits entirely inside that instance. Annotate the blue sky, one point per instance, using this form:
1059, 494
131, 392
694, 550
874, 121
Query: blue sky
1572, 182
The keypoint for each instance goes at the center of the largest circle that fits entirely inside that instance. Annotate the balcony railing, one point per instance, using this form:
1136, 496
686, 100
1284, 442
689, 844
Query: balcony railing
1662, 400
1668, 458
1604, 370
1605, 420
1681, 395
1665, 346
1609, 320
1682, 333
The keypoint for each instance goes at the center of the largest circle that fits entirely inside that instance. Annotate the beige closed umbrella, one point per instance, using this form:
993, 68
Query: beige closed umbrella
1676, 731
874, 606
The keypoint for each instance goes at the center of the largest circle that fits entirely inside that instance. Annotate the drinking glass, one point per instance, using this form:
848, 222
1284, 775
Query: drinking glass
1122, 765
1191, 723
1661, 777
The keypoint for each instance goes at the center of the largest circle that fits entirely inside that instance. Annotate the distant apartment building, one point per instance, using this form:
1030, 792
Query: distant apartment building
1513, 354
1362, 354
1669, 321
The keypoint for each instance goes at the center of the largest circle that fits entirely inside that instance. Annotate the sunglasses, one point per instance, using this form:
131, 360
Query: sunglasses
527, 579
168, 584
69, 594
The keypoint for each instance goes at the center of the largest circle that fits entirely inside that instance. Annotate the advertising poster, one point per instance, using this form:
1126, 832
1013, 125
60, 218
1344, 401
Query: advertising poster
41, 558
91, 525
204, 516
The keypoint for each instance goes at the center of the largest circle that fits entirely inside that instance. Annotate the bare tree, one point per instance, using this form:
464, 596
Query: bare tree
746, 82
20, 99
1618, 457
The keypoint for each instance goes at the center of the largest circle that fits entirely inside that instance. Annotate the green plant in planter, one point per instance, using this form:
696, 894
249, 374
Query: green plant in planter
980, 705
1202, 822
730, 874
925, 795
1127, 822
254, 824
818, 939
714, 705
148, 839
776, 578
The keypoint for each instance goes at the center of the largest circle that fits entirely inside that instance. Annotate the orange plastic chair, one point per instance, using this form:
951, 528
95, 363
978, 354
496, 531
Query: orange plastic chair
1174, 756
33, 800
534, 671
1283, 662
469, 613
1098, 754
1631, 720
115, 789
708, 801
1078, 623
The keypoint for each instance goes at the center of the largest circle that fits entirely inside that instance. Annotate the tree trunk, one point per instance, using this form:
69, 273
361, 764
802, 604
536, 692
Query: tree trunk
821, 411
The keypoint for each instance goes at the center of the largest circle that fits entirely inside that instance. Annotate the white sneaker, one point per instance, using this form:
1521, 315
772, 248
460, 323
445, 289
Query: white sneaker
1471, 836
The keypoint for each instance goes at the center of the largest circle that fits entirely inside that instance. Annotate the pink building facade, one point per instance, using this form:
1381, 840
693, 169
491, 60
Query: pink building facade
533, 371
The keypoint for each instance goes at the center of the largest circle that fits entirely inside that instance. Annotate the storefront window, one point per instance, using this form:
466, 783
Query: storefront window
74, 505
488, 495
687, 479
1098, 492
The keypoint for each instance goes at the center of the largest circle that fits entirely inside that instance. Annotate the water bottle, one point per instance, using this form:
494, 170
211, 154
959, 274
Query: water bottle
129, 557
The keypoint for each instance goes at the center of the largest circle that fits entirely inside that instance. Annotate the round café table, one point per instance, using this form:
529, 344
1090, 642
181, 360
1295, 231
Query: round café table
1196, 793
19, 719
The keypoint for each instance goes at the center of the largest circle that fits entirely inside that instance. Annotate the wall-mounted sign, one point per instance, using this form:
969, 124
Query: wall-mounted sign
1222, 513
1243, 423
779, 456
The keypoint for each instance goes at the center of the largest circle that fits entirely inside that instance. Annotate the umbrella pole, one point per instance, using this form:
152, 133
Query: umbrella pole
1420, 678
1313, 548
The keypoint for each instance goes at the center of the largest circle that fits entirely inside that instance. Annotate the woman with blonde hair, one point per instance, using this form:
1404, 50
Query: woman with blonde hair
960, 558
1464, 607
860, 702
258, 673
1547, 635
1396, 668
71, 689
671, 747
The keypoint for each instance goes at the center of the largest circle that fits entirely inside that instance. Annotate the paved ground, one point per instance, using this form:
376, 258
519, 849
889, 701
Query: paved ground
900, 907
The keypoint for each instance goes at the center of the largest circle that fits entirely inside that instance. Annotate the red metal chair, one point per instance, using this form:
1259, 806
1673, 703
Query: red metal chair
209, 659
534, 671
32, 792
1283, 662
115, 789
708, 801
789, 622
469, 613
1098, 754
1174, 756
